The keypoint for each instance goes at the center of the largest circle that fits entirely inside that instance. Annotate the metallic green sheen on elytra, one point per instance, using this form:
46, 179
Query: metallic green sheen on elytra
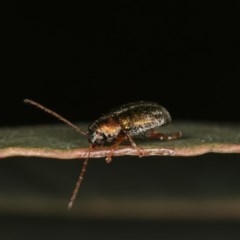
134, 119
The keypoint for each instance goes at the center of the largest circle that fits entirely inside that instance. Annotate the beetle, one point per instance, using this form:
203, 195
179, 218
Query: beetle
120, 124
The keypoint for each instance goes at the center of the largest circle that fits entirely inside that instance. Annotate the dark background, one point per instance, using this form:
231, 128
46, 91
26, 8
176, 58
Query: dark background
82, 59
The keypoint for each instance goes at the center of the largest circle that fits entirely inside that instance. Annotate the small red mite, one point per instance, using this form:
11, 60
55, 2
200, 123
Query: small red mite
120, 124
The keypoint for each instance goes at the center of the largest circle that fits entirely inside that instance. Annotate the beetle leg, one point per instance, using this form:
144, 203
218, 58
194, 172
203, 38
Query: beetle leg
164, 137
141, 153
119, 140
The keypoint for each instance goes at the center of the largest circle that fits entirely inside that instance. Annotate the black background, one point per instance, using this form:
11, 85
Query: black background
82, 59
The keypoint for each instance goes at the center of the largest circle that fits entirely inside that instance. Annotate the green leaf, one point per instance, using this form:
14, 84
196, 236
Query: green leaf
175, 188
62, 142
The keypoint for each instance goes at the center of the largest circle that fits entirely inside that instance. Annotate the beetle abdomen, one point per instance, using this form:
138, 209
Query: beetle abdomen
139, 117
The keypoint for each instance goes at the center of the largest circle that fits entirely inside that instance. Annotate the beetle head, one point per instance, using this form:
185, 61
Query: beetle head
97, 138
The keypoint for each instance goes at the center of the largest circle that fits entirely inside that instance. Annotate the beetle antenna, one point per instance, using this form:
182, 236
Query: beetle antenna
51, 112
80, 179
